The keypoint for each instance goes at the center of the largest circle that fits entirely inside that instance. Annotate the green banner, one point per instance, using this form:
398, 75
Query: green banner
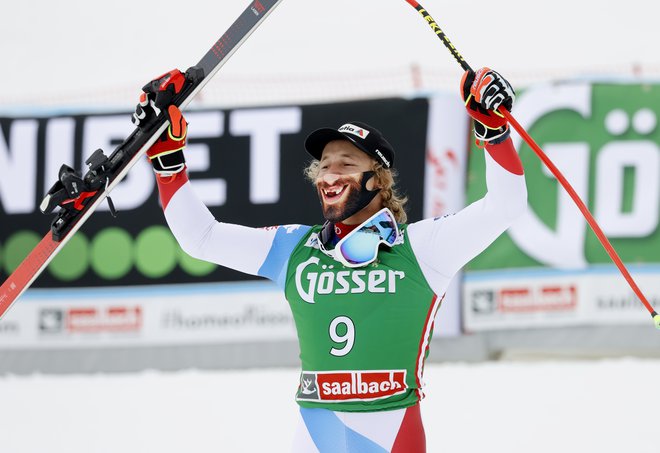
604, 138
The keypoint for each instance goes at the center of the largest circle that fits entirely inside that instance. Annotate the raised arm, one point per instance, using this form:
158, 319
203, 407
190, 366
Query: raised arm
256, 251
443, 245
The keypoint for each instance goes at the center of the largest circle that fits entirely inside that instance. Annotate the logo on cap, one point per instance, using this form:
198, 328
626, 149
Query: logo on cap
354, 130
387, 163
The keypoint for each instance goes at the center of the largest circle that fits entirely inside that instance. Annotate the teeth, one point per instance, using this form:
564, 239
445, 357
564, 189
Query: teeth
333, 192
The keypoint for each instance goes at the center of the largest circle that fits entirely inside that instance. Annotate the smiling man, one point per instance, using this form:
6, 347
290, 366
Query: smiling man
364, 286
341, 194
349, 185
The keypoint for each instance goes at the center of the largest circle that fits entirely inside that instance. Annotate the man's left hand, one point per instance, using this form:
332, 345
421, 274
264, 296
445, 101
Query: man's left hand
484, 92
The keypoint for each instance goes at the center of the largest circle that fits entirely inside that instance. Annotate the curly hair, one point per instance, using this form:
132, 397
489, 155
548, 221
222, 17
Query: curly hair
385, 179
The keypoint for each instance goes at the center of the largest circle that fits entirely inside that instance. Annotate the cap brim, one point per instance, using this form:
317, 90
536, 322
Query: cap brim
316, 141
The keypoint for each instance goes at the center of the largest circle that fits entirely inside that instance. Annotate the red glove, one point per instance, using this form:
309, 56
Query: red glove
166, 155
158, 95
483, 93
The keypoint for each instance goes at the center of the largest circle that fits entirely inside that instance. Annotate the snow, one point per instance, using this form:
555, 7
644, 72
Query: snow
606, 406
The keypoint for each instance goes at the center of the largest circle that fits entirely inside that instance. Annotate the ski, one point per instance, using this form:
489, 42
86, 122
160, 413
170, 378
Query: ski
105, 172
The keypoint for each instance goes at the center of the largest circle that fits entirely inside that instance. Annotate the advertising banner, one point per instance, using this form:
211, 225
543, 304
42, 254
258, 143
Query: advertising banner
246, 166
125, 281
148, 316
549, 268
444, 186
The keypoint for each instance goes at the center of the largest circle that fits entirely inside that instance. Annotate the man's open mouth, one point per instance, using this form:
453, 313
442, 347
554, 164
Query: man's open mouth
333, 194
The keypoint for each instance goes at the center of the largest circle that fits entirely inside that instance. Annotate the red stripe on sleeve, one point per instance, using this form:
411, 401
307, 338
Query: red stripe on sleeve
168, 185
505, 154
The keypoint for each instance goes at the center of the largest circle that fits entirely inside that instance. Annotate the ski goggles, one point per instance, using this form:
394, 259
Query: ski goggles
360, 247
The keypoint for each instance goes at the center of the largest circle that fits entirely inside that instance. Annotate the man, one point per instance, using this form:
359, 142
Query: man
363, 287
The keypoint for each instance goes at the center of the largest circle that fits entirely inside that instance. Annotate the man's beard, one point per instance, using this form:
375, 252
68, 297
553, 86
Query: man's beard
357, 197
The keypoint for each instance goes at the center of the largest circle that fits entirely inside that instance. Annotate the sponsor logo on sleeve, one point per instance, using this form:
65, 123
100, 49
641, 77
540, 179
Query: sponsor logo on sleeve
291, 228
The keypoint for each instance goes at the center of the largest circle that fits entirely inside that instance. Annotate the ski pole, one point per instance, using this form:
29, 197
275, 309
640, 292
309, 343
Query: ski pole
551, 166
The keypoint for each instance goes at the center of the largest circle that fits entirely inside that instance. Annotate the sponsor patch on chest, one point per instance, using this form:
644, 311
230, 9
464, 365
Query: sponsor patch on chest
314, 278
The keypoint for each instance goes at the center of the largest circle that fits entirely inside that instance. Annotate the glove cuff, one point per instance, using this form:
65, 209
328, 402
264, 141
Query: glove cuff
168, 163
491, 135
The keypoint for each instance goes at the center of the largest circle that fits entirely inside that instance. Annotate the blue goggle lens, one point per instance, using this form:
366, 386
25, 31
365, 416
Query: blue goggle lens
361, 245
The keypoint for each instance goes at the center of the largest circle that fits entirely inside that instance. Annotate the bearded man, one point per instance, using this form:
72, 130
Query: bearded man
364, 286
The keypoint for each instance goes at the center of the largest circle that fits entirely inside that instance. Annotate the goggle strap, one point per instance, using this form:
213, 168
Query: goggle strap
366, 175
367, 195
327, 230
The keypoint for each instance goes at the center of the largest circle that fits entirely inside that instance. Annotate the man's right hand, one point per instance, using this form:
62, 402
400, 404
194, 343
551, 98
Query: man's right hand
158, 95
166, 155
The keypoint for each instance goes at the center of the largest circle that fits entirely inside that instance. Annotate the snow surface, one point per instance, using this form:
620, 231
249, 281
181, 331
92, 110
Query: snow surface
604, 406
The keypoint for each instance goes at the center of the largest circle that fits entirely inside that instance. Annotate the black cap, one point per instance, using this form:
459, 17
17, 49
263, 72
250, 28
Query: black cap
365, 137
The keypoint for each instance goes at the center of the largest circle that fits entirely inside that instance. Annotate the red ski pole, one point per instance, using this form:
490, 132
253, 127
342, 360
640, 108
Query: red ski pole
551, 166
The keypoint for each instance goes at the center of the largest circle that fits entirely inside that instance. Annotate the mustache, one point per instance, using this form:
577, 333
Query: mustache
353, 180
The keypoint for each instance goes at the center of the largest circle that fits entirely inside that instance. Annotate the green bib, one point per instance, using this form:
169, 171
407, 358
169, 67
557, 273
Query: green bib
363, 332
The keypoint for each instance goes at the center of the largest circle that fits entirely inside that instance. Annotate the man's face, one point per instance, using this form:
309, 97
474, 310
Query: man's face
340, 178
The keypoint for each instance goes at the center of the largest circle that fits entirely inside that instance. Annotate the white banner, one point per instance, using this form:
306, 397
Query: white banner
444, 186
545, 298
146, 316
